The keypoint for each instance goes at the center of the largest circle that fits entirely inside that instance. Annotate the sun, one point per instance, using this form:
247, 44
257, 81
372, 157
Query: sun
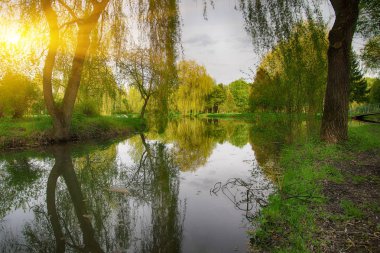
13, 38
9, 35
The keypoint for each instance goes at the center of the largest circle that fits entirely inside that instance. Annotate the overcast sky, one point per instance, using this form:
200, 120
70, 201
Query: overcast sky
219, 43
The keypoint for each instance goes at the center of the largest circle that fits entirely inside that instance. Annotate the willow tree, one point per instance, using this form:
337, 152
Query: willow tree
162, 22
62, 114
271, 21
292, 76
195, 84
82, 30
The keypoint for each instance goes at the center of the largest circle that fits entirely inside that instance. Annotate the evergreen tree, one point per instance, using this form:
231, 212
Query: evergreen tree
358, 84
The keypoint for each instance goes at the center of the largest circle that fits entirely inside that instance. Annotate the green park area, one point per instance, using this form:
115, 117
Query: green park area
119, 131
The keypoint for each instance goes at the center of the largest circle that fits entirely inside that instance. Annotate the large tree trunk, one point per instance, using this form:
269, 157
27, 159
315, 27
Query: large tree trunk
335, 115
62, 115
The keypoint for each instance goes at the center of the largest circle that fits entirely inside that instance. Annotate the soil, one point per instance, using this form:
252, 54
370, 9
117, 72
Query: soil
340, 232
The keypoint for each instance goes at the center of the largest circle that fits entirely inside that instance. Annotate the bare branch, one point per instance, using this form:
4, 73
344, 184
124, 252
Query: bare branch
69, 9
78, 21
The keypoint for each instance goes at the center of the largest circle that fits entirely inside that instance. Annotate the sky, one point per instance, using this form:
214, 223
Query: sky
220, 43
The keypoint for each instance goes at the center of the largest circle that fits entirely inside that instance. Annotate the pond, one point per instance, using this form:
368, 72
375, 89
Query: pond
196, 187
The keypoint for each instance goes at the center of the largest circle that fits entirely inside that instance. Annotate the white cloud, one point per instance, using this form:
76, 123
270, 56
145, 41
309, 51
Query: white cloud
219, 43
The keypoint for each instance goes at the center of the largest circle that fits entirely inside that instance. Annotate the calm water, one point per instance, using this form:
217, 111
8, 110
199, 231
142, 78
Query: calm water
194, 188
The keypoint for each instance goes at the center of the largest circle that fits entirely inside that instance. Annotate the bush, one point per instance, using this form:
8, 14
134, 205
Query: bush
88, 108
17, 94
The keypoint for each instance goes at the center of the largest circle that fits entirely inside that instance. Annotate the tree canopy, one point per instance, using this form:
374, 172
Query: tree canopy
195, 84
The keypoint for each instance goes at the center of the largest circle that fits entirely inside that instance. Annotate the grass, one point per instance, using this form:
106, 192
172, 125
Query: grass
36, 131
350, 210
13, 128
83, 126
288, 223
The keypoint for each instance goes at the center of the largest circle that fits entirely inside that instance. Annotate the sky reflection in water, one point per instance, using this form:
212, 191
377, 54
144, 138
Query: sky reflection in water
181, 191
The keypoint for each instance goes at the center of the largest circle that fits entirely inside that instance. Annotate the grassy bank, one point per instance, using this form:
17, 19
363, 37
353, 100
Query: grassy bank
37, 131
327, 198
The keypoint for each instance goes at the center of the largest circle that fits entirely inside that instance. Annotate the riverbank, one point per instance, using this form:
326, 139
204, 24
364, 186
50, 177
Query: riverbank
37, 131
328, 197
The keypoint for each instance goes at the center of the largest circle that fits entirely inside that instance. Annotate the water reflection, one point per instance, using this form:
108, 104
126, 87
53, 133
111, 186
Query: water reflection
64, 168
268, 135
150, 193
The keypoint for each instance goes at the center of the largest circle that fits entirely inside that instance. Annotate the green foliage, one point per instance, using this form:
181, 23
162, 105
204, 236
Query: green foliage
374, 96
369, 18
216, 98
240, 92
17, 94
98, 92
368, 27
134, 100
88, 108
371, 54
229, 104
358, 84
292, 77
143, 69
195, 84
271, 21
266, 93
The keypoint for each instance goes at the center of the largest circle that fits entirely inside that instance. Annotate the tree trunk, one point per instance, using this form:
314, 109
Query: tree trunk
62, 115
142, 113
335, 114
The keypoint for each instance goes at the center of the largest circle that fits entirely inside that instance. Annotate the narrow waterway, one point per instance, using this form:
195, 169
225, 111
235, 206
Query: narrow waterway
194, 188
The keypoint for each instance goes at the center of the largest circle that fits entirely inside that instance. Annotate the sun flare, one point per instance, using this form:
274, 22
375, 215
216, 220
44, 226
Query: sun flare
9, 35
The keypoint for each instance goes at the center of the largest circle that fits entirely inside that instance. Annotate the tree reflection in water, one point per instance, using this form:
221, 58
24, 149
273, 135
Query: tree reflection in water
267, 137
155, 181
82, 213
247, 196
97, 198
64, 167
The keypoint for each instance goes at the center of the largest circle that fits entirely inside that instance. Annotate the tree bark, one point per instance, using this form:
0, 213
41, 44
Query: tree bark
143, 109
335, 114
62, 115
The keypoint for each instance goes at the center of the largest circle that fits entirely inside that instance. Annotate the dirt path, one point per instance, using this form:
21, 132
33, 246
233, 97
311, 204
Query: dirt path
352, 213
